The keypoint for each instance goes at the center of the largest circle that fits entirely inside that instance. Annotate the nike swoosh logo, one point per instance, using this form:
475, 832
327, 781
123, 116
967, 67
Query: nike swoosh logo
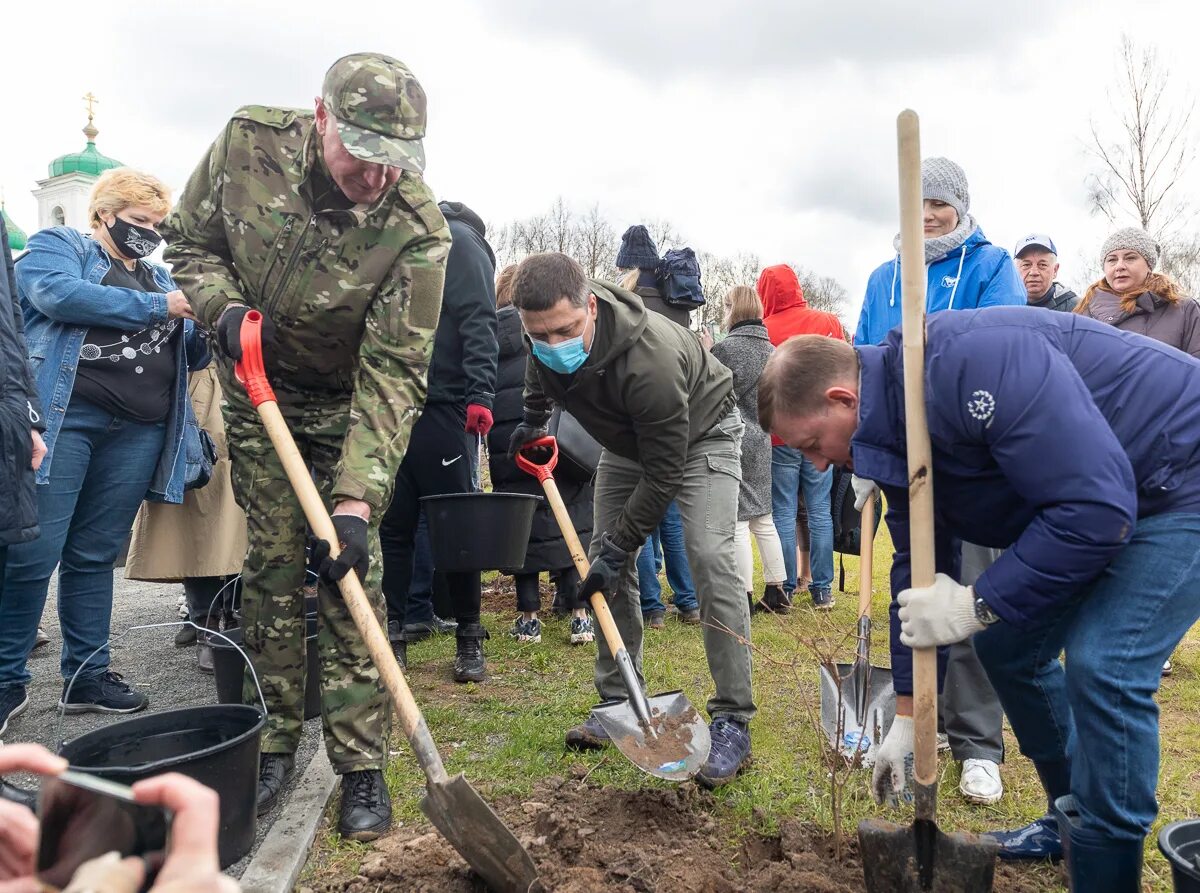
450, 461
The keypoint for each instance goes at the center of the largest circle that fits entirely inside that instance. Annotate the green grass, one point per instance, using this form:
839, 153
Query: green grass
506, 734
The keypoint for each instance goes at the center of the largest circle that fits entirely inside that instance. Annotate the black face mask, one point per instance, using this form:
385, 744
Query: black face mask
132, 240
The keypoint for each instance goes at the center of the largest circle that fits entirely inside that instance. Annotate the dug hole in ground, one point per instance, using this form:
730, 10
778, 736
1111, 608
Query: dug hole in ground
593, 822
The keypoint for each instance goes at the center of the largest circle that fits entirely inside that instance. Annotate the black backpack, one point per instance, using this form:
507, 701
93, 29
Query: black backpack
847, 520
679, 278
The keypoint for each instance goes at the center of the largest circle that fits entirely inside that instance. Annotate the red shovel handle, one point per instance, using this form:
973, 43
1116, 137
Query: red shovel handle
542, 471
250, 370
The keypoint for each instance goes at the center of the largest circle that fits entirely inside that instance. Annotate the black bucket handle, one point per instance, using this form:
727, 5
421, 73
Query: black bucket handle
212, 604
62, 709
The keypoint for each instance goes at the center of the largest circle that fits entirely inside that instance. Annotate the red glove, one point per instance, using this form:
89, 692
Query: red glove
479, 419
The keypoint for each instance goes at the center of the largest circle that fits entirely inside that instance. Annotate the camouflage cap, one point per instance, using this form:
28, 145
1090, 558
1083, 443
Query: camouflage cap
379, 107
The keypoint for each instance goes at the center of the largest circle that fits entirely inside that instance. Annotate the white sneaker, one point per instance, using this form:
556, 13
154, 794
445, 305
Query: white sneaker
981, 781
1167, 668
943, 741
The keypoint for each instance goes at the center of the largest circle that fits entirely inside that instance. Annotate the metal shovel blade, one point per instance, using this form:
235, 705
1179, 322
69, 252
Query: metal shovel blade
680, 745
459, 813
922, 859
846, 722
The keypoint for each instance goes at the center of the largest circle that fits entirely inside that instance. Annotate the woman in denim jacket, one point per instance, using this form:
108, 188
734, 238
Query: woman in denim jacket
111, 340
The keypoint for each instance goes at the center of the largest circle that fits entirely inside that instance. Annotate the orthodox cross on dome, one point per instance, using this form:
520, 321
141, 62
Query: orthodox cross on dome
90, 131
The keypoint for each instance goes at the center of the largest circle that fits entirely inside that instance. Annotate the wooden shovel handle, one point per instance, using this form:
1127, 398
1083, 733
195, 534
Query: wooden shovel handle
359, 607
920, 458
866, 556
599, 603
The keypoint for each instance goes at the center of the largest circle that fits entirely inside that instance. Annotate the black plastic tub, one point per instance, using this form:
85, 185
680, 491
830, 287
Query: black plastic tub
479, 531
216, 745
229, 669
1180, 843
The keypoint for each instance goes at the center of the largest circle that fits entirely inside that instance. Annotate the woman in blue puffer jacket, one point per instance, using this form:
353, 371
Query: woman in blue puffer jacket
965, 270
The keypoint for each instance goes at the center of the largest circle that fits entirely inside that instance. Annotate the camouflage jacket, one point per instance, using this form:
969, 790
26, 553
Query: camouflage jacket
354, 294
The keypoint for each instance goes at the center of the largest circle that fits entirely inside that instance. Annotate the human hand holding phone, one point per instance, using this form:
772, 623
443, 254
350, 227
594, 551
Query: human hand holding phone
19, 826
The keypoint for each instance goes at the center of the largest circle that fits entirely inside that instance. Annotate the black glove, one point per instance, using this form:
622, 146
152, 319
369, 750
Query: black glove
523, 434
352, 537
605, 572
229, 332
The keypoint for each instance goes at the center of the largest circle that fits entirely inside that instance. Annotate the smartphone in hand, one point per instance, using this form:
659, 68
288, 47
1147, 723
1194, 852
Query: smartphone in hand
82, 817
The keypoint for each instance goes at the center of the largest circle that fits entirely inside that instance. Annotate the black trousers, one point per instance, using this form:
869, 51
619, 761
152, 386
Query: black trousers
212, 597
438, 461
566, 583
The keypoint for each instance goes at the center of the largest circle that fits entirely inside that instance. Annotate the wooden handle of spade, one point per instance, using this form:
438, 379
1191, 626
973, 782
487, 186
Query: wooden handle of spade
920, 460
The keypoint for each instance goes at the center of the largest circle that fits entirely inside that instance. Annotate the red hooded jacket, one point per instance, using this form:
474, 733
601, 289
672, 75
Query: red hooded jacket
785, 312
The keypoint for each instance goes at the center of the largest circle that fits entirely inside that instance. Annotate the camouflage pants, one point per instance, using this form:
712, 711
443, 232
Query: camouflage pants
355, 711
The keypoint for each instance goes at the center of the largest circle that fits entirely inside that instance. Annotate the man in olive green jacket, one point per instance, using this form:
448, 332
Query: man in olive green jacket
322, 222
664, 411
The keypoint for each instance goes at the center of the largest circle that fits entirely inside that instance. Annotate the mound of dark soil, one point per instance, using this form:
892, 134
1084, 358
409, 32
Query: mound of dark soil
585, 838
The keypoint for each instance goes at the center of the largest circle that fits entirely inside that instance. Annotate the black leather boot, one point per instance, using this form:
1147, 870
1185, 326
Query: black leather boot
469, 662
399, 642
366, 809
274, 770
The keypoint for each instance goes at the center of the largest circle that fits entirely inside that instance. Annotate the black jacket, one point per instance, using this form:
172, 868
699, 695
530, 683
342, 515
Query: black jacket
463, 367
547, 550
1057, 297
19, 414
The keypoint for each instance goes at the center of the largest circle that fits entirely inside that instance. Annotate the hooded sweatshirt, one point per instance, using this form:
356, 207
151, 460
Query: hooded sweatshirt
979, 274
647, 391
463, 367
785, 312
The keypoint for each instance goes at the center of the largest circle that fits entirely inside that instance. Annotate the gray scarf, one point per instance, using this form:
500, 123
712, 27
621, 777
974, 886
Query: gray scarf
939, 246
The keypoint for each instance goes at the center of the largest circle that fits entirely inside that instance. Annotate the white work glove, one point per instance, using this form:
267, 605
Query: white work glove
891, 780
941, 614
863, 490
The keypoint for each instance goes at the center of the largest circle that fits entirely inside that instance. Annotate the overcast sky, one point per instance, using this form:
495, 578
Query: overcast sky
760, 125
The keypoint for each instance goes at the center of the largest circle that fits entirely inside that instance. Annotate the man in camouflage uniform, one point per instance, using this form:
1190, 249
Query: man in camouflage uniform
323, 223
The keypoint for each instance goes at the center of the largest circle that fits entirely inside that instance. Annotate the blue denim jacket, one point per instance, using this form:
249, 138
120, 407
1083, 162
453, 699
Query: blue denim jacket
61, 296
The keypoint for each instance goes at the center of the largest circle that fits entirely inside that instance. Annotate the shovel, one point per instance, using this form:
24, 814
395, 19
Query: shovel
858, 702
920, 858
662, 735
451, 804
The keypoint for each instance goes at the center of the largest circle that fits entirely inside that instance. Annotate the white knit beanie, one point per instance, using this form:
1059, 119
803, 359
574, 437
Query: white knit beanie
944, 181
1135, 239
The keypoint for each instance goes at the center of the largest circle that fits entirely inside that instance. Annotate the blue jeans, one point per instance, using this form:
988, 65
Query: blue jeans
667, 540
420, 589
791, 473
102, 468
1099, 712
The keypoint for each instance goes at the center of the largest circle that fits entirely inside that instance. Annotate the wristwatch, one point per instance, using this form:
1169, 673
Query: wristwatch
983, 613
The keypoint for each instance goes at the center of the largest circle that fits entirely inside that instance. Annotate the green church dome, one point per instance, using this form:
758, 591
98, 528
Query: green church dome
89, 161
16, 235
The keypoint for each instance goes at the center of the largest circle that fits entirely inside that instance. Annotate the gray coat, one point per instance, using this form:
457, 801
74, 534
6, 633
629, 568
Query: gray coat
1175, 324
745, 350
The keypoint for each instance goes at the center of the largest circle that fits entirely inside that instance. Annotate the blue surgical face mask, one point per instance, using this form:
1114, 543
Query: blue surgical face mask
564, 357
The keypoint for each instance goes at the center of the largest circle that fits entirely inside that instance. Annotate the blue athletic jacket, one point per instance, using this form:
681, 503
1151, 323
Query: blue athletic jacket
1051, 433
979, 274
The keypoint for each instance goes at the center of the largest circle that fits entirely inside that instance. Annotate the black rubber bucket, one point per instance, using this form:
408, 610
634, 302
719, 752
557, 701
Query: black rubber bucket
218, 746
479, 531
1180, 843
229, 668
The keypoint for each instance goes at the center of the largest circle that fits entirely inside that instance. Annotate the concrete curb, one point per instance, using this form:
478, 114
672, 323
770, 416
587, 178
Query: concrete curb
276, 866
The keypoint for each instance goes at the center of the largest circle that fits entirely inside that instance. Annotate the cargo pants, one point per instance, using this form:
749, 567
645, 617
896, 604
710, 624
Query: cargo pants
708, 501
355, 712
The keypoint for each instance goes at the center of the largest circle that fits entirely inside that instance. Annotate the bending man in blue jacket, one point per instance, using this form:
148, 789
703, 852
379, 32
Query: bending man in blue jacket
1075, 447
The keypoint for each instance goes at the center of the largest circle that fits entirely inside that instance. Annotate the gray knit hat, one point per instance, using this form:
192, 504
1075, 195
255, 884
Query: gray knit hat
944, 181
1135, 239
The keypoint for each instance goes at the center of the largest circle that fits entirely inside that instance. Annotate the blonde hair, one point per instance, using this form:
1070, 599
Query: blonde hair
1159, 284
123, 187
630, 280
743, 303
504, 283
